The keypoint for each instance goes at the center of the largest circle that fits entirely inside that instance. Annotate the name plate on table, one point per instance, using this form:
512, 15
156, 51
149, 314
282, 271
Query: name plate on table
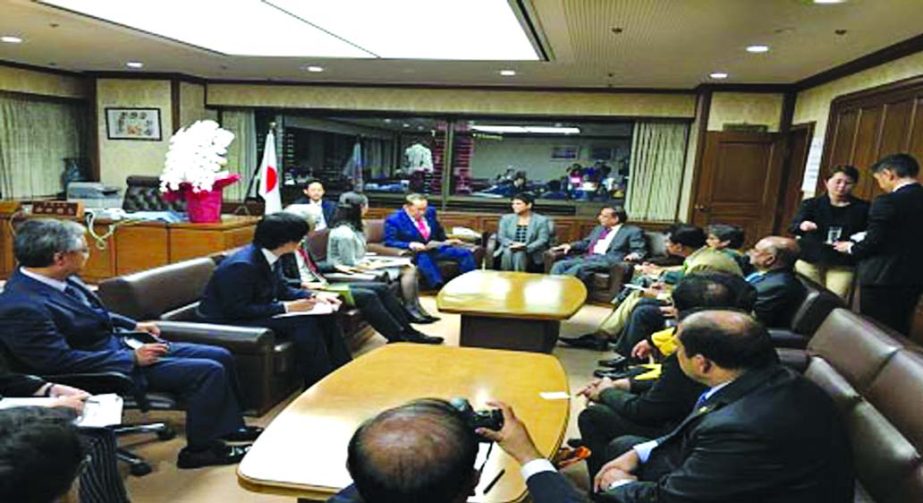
58, 208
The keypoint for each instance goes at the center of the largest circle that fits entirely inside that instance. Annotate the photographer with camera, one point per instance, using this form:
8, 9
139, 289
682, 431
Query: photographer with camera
425, 450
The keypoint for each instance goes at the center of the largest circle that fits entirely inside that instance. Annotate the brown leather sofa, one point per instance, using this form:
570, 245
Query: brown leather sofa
375, 236
170, 295
817, 304
602, 287
875, 377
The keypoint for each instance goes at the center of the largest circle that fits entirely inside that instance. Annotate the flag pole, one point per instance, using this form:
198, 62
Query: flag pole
256, 174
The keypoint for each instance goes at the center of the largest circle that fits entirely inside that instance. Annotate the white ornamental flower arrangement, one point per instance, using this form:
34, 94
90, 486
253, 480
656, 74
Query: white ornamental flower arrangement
196, 158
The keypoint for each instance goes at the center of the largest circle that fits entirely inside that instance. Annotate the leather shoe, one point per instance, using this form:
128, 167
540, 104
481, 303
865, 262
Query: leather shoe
587, 341
244, 434
212, 456
617, 362
421, 338
575, 442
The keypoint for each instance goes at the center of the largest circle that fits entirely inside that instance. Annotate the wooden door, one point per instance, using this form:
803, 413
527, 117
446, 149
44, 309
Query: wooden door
739, 182
798, 142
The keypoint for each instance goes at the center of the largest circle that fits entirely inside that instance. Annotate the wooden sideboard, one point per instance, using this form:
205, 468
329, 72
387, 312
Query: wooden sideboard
135, 247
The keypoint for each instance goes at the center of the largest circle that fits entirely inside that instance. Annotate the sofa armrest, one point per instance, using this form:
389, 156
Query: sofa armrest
795, 359
238, 340
96, 382
550, 257
388, 251
782, 338
619, 273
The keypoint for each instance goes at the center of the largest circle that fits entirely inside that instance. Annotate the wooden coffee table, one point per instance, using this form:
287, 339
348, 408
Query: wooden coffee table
303, 451
511, 310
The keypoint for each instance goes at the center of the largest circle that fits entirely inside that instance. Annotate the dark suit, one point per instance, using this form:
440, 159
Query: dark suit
13, 384
401, 230
245, 290
778, 295
648, 413
51, 332
328, 208
770, 436
628, 239
544, 487
891, 258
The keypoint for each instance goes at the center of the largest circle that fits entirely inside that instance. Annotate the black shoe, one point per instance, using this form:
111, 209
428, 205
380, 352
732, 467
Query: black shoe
610, 373
575, 442
244, 434
213, 456
587, 341
421, 338
617, 362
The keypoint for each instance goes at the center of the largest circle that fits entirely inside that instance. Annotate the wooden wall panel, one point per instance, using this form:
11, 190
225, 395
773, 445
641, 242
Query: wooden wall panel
865, 146
141, 247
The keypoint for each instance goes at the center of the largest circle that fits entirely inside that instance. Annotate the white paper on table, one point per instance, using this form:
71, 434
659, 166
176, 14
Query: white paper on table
319, 309
859, 236
554, 395
98, 411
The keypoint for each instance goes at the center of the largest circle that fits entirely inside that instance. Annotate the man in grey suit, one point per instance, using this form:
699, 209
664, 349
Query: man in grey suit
522, 236
610, 242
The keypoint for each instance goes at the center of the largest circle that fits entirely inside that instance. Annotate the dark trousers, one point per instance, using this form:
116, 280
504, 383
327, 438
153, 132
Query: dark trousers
381, 308
319, 345
205, 380
892, 306
426, 262
599, 426
645, 319
101, 482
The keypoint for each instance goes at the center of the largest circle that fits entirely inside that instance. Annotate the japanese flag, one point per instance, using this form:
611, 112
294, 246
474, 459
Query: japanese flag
269, 177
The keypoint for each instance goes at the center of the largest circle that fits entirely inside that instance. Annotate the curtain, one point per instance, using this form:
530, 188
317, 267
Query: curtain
35, 138
658, 152
242, 158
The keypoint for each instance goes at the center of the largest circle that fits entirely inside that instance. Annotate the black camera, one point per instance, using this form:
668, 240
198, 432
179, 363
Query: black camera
491, 419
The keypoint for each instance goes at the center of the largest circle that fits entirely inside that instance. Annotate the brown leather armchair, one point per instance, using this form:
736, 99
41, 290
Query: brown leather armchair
817, 304
170, 295
604, 286
875, 377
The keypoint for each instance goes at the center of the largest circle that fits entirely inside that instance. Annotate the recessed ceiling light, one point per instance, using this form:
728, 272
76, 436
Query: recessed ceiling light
387, 121
757, 48
134, 64
718, 75
406, 125
314, 69
828, 2
507, 73
9, 39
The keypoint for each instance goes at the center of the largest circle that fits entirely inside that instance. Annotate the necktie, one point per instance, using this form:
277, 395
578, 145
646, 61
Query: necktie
602, 235
77, 294
421, 226
700, 401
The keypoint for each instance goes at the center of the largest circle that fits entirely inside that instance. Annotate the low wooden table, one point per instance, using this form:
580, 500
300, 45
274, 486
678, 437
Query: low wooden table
511, 310
303, 451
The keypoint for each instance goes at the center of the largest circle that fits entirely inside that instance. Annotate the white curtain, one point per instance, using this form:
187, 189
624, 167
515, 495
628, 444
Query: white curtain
242, 157
35, 137
658, 154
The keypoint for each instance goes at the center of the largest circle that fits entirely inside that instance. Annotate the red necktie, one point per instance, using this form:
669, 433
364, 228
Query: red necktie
421, 226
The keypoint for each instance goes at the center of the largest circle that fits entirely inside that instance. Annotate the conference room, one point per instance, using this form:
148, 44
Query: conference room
241, 241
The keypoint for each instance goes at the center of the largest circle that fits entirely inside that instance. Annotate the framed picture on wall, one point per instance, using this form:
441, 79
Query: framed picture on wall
133, 124
601, 153
565, 152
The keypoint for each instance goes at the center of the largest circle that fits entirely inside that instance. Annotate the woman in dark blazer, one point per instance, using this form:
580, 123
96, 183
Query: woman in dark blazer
522, 236
825, 219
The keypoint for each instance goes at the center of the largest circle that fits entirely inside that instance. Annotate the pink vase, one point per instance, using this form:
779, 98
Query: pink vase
203, 207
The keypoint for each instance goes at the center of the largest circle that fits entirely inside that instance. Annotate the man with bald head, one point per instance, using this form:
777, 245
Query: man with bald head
424, 452
778, 292
760, 433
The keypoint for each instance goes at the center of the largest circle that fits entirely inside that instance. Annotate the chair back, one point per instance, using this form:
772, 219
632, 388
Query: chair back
818, 303
143, 194
656, 243
317, 243
167, 292
374, 231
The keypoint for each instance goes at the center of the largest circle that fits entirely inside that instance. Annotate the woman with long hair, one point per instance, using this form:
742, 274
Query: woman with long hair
346, 248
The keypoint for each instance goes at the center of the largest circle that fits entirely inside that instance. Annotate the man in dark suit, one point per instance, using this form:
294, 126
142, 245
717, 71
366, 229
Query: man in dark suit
778, 292
891, 254
654, 407
52, 323
761, 433
610, 242
248, 288
313, 205
433, 460
416, 228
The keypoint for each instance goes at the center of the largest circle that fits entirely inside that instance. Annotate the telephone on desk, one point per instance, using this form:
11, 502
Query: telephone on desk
105, 213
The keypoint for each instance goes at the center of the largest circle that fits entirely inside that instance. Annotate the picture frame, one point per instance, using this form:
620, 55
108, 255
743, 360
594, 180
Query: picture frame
565, 152
133, 124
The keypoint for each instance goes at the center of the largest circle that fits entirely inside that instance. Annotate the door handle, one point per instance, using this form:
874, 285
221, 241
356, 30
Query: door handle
702, 208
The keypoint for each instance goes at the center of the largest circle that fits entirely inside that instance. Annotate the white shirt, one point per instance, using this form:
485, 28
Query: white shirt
419, 157
271, 257
53, 283
536, 466
603, 244
902, 185
310, 210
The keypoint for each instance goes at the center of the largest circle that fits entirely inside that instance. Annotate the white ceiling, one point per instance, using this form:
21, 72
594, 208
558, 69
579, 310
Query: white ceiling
663, 44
